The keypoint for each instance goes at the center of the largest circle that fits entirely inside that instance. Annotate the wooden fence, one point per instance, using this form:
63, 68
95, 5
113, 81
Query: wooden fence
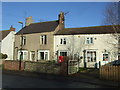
110, 73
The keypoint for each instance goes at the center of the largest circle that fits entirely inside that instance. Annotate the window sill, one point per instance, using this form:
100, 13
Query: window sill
90, 44
43, 44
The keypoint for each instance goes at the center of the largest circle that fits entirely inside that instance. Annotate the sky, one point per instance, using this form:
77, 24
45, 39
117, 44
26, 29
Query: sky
79, 14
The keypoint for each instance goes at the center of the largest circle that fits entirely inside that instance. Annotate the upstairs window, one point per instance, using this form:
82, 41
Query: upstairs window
89, 40
23, 40
63, 41
43, 39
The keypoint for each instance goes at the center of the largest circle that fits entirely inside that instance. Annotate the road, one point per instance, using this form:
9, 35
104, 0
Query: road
18, 81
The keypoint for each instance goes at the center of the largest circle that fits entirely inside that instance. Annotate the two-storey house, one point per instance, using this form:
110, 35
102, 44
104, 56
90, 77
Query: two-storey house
92, 45
7, 41
35, 41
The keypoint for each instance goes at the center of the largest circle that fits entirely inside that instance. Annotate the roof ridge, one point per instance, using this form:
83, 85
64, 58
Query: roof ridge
44, 22
90, 27
89, 30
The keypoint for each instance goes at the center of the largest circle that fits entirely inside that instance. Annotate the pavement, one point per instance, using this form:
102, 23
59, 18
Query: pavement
81, 77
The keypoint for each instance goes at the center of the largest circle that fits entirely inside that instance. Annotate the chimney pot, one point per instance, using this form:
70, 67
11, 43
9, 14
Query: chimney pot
29, 20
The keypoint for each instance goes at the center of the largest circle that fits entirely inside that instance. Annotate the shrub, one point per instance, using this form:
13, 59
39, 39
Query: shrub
3, 56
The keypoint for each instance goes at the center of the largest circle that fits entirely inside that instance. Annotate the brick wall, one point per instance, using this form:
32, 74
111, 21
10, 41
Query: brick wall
0, 61
13, 65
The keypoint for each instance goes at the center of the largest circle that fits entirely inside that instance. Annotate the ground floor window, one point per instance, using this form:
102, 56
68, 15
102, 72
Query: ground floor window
22, 55
63, 53
91, 56
105, 57
43, 55
32, 55
118, 56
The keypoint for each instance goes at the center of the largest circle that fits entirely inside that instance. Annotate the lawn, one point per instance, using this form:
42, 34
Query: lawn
87, 72
82, 69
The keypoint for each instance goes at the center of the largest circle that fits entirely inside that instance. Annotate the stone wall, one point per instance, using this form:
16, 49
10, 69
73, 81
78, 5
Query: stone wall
42, 67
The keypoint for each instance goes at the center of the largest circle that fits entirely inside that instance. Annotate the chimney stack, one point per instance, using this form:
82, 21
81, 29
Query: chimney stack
61, 18
29, 20
61, 21
11, 28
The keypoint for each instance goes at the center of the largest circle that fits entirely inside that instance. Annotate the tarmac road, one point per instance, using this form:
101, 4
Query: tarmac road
18, 81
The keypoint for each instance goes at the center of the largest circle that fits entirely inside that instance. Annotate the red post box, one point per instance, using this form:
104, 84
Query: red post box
60, 59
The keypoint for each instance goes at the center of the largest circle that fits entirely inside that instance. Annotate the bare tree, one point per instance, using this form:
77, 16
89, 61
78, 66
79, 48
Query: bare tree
112, 18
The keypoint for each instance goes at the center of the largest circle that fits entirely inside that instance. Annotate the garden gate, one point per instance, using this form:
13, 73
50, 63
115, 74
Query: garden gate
72, 66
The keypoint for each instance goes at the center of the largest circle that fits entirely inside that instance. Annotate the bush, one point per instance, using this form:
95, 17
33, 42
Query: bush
3, 56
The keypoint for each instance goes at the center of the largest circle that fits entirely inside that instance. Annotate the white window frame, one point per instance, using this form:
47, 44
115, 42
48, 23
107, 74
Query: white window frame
89, 40
31, 55
62, 51
39, 58
62, 41
24, 51
23, 40
43, 42
91, 56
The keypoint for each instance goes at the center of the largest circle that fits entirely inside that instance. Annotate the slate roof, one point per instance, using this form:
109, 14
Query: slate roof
88, 30
4, 33
39, 27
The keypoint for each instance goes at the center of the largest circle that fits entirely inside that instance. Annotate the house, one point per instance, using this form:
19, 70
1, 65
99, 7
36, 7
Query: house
91, 45
49, 40
7, 42
35, 41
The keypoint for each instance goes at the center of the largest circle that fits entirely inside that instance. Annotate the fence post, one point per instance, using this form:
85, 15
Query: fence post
110, 72
101, 72
107, 70
104, 73
113, 72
